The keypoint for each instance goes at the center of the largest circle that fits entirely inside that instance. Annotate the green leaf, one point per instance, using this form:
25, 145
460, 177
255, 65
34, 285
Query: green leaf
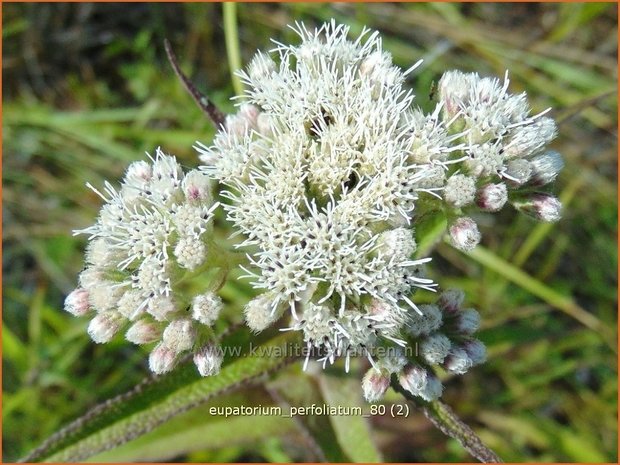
198, 430
156, 400
300, 390
352, 431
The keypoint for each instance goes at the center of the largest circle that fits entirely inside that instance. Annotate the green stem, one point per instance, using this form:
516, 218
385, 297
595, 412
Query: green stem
233, 49
451, 425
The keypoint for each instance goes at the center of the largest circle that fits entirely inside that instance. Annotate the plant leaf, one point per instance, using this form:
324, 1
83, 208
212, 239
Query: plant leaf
352, 431
297, 390
198, 429
156, 400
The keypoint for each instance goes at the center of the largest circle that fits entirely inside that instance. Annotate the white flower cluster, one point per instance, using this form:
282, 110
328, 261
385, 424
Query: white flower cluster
504, 156
443, 337
322, 180
327, 167
148, 234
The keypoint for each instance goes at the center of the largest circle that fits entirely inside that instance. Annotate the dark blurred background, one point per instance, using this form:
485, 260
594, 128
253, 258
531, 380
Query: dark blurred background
87, 89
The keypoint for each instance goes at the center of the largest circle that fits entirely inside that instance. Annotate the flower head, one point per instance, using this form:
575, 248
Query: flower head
149, 234
325, 187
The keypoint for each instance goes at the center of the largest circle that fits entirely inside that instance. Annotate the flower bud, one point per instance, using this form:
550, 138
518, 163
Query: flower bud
100, 254
179, 335
393, 361
476, 351
160, 307
435, 348
429, 321
264, 124
454, 88
543, 207
546, 167
413, 379
76, 303
104, 326
375, 383
467, 321
458, 361
451, 300
249, 112
208, 360
398, 242
90, 277
206, 308
190, 252
492, 197
131, 304
197, 187
261, 66
518, 171
143, 332
104, 295
531, 139
464, 234
138, 173
162, 359
460, 190
259, 312
433, 389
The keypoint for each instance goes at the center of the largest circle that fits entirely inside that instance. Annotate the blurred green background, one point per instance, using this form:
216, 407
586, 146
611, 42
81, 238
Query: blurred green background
87, 89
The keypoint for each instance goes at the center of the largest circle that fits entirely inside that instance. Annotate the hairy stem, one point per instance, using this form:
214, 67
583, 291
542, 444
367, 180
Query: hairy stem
444, 418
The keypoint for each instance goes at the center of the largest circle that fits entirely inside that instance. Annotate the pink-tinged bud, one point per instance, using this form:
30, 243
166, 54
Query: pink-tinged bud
375, 384
143, 332
546, 167
458, 361
476, 351
543, 207
208, 360
264, 124
451, 300
104, 326
464, 234
492, 197
467, 321
249, 112
413, 379
162, 359
454, 88
179, 335
197, 187
76, 303
138, 172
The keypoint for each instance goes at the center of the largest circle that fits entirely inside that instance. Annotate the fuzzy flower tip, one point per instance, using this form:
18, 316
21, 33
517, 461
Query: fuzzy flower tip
322, 179
149, 233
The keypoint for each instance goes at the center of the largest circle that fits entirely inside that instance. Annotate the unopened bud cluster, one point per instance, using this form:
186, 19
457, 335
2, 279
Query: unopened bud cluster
443, 337
149, 234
